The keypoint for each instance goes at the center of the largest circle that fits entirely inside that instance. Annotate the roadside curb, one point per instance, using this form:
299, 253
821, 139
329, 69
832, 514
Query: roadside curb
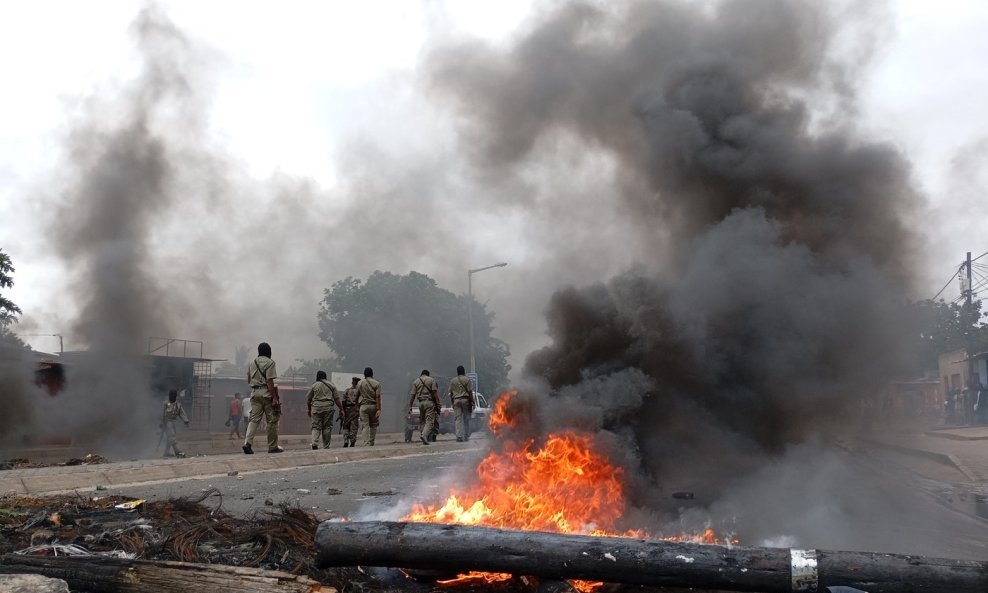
83, 478
944, 458
943, 434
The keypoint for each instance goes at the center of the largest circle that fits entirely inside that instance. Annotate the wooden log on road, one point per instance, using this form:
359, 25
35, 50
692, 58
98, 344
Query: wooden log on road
101, 574
637, 561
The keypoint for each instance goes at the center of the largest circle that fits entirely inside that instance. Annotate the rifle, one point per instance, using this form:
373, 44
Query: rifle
161, 436
348, 417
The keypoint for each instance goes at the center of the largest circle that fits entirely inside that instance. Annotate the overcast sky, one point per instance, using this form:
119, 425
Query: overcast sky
306, 92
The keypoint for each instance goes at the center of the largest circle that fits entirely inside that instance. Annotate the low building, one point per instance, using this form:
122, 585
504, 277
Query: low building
958, 370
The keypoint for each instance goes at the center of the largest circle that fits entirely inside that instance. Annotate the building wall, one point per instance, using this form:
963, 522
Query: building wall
953, 370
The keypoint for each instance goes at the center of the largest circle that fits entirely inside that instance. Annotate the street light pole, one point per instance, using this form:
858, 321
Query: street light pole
470, 273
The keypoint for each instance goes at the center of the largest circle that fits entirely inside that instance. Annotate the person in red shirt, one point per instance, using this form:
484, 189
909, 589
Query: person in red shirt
236, 411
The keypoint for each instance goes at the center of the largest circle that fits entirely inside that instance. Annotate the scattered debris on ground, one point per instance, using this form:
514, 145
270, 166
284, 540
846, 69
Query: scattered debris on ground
117, 529
23, 463
178, 529
91, 459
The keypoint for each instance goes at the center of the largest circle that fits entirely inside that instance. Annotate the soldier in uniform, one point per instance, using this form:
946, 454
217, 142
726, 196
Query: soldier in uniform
350, 416
369, 400
173, 410
461, 394
320, 399
424, 390
264, 400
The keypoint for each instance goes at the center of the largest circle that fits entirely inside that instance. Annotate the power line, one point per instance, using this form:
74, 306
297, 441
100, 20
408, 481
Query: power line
960, 267
939, 292
982, 282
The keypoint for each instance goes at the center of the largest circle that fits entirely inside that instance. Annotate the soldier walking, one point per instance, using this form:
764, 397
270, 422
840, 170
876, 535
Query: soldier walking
320, 399
173, 411
350, 421
461, 394
369, 400
264, 400
424, 390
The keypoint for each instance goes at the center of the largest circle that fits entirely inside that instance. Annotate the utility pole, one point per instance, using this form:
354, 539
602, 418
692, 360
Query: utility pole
967, 265
969, 325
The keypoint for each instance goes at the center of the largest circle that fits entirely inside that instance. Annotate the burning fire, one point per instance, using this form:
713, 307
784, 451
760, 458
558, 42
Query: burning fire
561, 485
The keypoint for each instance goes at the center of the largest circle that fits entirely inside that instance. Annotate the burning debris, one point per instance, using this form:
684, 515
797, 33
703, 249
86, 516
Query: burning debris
560, 483
638, 562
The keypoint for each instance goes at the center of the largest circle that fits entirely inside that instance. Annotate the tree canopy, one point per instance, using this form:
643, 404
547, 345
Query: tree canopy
945, 327
8, 310
307, 369
237, 366
400, 325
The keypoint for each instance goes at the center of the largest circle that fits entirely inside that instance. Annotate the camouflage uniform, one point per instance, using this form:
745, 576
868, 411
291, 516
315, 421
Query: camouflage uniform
351, 420
461, 392
172, 412
423, 389
259, 371
368, 392
322, 399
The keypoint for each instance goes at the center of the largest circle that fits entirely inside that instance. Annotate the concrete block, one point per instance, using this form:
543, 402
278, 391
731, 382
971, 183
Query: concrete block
39, 484
202, 468
133, 475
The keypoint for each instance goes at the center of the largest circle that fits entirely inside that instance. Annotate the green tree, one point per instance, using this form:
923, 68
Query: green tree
237, 367
945, 327
8, 310
309, 368
402, 324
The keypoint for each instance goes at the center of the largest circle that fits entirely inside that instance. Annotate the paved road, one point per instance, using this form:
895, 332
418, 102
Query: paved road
868, 505
376, 488
889, 503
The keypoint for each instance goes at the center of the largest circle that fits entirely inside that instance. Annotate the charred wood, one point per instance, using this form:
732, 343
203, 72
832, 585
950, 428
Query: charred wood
100, 574
637, 561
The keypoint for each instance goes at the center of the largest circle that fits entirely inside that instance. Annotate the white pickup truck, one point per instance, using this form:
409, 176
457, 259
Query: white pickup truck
447, 422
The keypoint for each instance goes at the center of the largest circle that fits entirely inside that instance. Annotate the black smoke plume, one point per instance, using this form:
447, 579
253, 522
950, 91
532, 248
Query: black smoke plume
777, 253
119, 178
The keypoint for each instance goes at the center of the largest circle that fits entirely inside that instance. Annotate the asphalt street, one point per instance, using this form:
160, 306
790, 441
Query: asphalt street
378, 488
877, 506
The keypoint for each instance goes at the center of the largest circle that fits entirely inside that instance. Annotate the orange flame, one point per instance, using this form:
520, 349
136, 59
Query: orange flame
499, 418
562, 485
